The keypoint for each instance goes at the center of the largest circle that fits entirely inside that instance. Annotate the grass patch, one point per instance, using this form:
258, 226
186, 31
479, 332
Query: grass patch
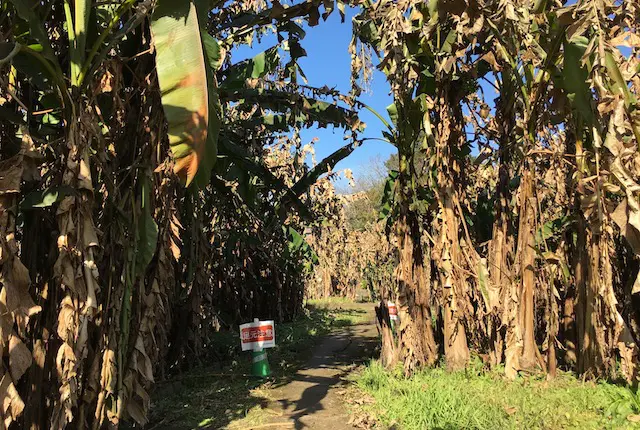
476, 399
344, 311
208, 398
330, 301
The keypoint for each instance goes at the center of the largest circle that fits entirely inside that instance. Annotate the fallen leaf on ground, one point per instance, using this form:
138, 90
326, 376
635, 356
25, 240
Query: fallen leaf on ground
510, 410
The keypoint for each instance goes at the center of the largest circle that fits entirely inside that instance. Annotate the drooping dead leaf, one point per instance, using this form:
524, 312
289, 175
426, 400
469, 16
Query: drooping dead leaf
12, 404
11, 175
621, 217
627, 39
19, 358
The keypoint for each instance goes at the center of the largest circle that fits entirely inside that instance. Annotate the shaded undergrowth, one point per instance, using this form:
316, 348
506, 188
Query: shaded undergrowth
480, 399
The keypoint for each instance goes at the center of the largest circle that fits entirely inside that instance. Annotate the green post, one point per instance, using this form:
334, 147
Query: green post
260, 365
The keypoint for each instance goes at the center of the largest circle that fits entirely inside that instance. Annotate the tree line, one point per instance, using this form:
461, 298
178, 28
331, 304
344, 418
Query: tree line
514, 204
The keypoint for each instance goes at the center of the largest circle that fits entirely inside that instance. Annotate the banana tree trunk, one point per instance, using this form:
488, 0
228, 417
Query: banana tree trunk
600, 324
499, 281
77, 273
416, 342
456, 349
449, 254
527, 278
574, 310
389, 350
327, 283
500, 247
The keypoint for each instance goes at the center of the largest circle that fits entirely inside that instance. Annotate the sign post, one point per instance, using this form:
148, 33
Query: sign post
260, 364
393, 314
257, 336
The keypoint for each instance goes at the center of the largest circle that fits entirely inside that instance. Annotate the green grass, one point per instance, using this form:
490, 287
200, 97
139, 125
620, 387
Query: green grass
329, 301
344, 311
476, 399
214, 397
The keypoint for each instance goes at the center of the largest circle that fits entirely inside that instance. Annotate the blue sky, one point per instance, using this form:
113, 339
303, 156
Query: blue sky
328, 63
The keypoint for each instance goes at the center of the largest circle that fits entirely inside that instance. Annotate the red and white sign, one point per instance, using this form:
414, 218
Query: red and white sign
393, 311
257, 335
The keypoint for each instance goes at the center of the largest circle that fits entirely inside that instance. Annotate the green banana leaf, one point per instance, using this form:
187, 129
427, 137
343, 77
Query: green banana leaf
186, 86
147, 231
574, 78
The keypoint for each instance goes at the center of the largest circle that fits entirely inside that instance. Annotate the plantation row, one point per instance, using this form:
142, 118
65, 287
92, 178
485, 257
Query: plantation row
152, 191
512, 211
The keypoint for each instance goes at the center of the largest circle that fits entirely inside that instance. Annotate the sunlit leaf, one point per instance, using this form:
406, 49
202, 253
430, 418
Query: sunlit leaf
574, 78
182, 75
45, 198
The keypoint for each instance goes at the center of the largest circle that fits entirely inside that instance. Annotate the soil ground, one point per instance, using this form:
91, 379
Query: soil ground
313, 398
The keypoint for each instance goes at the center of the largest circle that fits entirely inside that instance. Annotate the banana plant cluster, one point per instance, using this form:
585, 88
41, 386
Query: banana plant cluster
514, 203
138, 209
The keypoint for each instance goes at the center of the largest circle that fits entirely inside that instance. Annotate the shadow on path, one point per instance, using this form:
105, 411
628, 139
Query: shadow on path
312, 400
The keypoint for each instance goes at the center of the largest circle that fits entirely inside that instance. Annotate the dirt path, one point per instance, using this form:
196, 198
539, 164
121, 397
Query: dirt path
312, 400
